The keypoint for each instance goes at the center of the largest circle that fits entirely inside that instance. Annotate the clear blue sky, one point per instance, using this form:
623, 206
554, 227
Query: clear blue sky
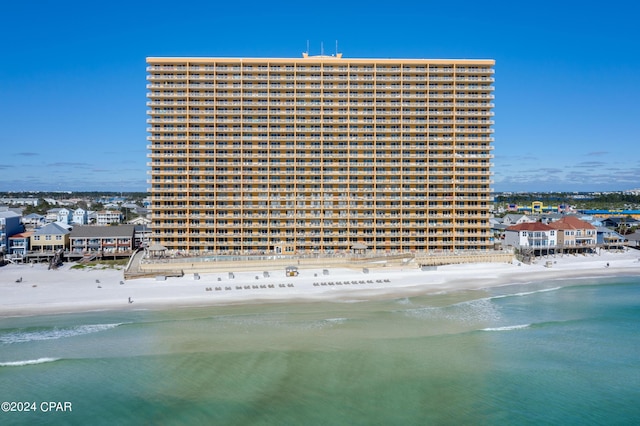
72, 78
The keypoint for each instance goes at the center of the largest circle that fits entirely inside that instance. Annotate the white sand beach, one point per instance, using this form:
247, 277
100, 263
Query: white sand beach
35, 290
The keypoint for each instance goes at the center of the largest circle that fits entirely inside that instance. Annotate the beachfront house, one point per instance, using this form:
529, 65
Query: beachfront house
51, 237
142, 236
575, 234
609, 239
9, 225
535, 235
19, 245
102, 239
633, 239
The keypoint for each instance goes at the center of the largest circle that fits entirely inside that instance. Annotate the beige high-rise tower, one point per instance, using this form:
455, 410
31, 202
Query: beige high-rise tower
320, 154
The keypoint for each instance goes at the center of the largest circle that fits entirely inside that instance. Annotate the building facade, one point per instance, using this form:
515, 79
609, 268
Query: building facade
574, 233
51, 237
102, 239
535, 235
107, 217
80, 216
319, 153
9, 225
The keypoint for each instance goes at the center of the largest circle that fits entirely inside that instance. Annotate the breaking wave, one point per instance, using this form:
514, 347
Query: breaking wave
507, 328
52, 333
526, 293
28, 362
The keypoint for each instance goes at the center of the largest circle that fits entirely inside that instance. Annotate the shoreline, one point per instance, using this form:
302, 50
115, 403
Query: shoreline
66, 290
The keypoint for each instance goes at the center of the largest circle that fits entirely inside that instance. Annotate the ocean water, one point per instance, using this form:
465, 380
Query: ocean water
559, 352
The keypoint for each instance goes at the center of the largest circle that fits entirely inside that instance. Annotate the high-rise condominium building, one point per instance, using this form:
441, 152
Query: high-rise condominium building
320, 154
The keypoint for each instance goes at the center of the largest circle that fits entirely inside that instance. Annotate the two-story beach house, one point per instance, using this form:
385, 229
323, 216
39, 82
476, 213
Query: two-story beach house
102, 239
19, 245
51, 237
574, 234
533, 235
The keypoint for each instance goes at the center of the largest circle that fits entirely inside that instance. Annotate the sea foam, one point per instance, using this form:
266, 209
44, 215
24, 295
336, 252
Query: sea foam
52, 333
28, 362
507, 328
526, 293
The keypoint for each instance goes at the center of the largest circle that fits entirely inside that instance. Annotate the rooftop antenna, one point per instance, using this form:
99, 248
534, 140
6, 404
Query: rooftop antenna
336, 47
307, 47
322, 48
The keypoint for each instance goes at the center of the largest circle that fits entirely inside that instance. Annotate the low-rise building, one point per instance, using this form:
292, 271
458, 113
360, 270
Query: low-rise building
9, 225
64, 216
516, 219
51, 237
52, 215
609, 239
142, 236
33, 220
80, 216
620, 222
107, 217
102, 239
535, 235
19, 244
574, 233
31, 201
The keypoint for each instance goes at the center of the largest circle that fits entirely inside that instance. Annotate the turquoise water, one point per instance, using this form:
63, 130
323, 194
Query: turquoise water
561, 352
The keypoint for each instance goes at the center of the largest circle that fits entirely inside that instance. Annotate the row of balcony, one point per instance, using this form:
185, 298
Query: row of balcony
311, 114
156, 119
290, 220
474, 102
341, 170
305, 137
214, 64
353, 193
327, 133
354, 176
337, 75
166, 175
354, 209
310, 94
333, 240
327, 88
368, 80
193, 148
